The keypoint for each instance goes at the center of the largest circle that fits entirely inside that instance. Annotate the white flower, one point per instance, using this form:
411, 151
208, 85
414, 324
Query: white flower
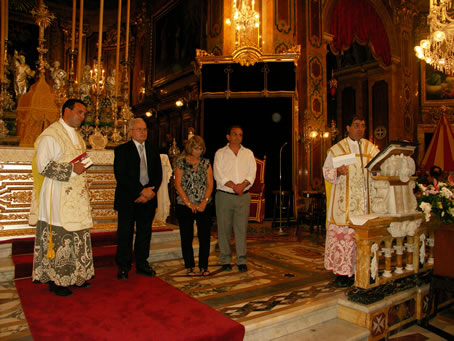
445, 192
422, 188
451, 211
426, 208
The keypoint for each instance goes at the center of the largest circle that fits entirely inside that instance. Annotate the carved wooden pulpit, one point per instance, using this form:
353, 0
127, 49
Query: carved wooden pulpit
391, 241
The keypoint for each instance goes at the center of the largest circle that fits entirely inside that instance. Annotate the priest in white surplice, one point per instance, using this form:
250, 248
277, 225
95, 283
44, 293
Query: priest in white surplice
61, 207
345, 183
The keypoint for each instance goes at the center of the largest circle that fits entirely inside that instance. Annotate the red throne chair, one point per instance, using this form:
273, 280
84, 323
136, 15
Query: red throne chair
257, 192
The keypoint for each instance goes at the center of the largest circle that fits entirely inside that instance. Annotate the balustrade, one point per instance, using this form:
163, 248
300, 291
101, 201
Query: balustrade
391, 248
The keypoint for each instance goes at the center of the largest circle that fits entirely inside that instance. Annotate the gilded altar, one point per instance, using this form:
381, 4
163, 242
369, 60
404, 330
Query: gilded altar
16, 187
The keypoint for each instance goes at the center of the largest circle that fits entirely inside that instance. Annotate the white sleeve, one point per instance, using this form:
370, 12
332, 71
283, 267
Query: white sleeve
218, 174
329, 172
252, 170
47, 150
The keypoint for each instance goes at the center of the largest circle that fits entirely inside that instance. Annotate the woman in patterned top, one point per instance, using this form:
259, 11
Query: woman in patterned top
194, 184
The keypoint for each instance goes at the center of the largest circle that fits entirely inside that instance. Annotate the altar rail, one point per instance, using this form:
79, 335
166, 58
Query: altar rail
391, 248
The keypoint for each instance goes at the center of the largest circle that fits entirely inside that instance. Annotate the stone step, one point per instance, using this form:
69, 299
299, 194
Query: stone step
165, 245
172, 250
165, 236
335, 329
293, 320
6, 269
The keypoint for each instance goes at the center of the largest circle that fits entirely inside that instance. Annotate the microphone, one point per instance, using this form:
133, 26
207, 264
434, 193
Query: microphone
285, 143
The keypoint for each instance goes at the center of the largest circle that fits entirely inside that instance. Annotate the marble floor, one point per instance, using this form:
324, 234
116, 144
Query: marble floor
284, 272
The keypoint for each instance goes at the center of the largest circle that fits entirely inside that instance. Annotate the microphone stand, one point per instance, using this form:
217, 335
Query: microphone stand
366, 206
281, 232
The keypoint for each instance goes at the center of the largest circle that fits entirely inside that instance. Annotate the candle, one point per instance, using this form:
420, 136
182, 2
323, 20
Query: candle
101, 13
117, 58
79, 55
2, 38
73, 28
127, 32
6, 20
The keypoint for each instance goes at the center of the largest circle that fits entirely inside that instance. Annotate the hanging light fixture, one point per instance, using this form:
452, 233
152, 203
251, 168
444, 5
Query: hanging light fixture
438, 49
246, 24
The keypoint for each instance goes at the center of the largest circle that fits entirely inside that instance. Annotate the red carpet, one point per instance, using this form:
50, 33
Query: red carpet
141, 308
103, 243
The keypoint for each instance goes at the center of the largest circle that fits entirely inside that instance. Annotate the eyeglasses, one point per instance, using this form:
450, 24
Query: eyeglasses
197, 148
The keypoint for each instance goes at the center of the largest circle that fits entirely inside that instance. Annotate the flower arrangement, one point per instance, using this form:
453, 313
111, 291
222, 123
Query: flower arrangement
437, 199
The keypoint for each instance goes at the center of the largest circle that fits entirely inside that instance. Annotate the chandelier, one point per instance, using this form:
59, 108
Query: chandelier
438, 49
246, 24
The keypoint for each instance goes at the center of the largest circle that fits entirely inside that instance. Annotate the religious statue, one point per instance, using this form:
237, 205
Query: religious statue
110, 84
190, 133
22, 73
59, 76
85, 83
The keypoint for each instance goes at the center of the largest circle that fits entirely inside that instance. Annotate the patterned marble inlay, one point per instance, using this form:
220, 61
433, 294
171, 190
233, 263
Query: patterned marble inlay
13, 324
275, 286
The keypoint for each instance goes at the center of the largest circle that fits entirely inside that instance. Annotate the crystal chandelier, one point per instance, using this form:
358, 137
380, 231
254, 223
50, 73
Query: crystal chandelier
246, 24
438, 49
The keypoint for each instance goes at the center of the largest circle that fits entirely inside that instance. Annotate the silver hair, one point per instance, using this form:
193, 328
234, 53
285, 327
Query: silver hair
134, 120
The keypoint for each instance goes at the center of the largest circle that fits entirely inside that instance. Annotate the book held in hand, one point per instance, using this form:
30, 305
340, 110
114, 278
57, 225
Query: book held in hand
83, 158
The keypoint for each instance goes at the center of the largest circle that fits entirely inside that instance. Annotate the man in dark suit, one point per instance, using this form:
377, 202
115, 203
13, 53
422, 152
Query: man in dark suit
138, 171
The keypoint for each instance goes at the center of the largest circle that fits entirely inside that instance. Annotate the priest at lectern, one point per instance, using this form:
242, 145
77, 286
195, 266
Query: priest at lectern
346, 182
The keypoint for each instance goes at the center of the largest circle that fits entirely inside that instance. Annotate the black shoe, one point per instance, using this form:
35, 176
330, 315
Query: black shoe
226, 267
242, 267
146, 271
122, 274
59, 291
83, 285
344, 281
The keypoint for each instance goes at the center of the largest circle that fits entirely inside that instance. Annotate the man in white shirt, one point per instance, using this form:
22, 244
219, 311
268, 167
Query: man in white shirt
347, 194
234, 172
61, 205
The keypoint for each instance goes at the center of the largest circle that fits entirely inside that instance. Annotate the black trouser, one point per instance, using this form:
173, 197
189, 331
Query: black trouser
142, 215
186, 220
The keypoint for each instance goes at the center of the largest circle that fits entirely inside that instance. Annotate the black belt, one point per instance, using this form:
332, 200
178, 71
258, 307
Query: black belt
232, 193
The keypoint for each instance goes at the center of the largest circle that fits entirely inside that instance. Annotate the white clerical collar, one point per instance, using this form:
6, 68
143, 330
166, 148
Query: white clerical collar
71, 131
67, 127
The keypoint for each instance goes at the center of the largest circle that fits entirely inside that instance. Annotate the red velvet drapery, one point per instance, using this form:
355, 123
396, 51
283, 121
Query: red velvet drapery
356, 20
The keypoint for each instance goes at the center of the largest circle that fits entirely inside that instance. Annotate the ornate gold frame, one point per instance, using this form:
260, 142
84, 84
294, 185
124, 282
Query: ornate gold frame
250, 56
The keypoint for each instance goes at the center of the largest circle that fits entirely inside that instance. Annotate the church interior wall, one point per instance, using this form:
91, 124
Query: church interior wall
156, 82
